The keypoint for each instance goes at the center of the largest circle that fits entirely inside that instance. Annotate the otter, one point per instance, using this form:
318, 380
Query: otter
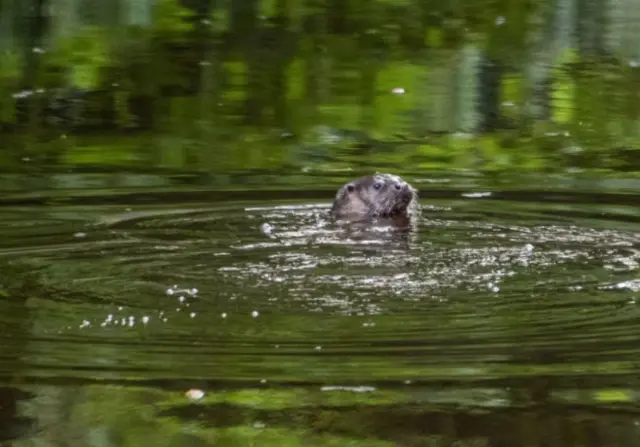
376, 196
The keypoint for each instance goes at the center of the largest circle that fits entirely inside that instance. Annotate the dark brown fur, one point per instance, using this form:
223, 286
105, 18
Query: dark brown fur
378, 195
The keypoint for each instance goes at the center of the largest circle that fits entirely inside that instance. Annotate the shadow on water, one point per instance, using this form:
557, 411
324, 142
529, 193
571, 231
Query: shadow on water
499, 319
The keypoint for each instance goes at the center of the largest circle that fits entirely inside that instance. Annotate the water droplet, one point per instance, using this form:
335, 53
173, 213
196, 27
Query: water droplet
254, 314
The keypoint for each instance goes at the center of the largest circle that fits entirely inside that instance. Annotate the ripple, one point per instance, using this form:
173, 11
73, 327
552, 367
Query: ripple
481, 288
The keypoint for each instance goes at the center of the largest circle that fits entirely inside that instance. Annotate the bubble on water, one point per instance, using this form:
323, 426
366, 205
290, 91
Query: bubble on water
132, 321
263, 380
224, 315
500, 20
145, 319
254, 314
397, 91
318, 348
80, 235
192, 315
85, 324
267, 229
181, 299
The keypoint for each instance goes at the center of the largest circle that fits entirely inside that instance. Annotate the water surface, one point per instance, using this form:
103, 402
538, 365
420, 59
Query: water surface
497, 317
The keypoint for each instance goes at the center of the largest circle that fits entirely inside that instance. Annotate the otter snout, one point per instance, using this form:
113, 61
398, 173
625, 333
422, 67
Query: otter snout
403, 190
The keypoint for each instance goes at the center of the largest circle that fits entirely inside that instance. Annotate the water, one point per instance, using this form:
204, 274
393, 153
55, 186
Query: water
168, 273
501, 318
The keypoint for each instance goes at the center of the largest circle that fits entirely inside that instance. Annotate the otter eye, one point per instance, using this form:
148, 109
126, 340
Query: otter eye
350, 188
377, 185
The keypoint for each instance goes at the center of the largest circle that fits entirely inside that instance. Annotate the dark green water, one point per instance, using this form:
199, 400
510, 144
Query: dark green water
168, 273
501, 319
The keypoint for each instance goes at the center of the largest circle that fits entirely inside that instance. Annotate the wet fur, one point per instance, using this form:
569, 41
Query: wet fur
360, 199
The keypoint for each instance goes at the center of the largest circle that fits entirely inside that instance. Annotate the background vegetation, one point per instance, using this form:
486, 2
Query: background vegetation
284, 85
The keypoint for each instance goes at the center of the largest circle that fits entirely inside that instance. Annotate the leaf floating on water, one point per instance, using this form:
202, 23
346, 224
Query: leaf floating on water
194, 394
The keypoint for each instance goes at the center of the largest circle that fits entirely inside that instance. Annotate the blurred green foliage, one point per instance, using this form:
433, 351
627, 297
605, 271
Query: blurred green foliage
299, 84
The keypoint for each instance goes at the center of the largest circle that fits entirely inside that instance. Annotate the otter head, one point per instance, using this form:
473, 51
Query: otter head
379, 195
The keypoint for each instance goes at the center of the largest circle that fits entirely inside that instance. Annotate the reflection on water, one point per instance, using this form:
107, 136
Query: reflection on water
498, 320
161, 283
